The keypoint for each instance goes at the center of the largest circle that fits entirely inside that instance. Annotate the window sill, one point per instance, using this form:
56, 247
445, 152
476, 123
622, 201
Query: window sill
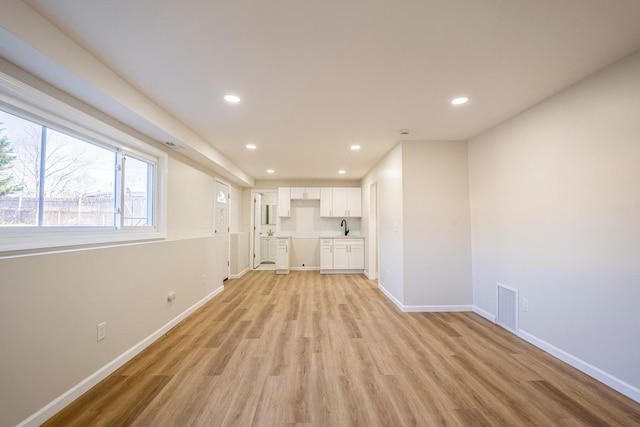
51, 241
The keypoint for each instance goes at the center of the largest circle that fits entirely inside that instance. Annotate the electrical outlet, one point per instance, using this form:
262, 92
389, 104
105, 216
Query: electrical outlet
204, 279
525, 305
102, 331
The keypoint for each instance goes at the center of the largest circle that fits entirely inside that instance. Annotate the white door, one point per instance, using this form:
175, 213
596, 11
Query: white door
257, 224
339, 202
222, 223
282, 255
340, 257
326, 257
356, 257
354, 202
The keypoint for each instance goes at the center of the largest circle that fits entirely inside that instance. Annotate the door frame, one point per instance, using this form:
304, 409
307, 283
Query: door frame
252, 221
226, 269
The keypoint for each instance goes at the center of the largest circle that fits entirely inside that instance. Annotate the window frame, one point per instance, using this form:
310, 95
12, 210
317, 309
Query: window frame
31, 104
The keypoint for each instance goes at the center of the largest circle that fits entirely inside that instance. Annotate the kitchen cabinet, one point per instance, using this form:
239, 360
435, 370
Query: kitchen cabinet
326, 201
284, 201
268, 249
312, 193
326, 254
341, 255
334, 202
283, 251
341, 202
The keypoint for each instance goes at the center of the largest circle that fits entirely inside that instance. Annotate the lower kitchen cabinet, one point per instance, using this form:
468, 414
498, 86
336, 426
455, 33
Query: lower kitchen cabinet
283, 250
342, 255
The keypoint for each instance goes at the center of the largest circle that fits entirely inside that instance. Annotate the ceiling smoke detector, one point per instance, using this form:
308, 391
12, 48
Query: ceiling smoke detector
404, 132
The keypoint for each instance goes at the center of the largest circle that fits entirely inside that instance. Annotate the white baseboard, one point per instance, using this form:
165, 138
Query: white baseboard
490, 317
390, 296
424, 308
369, 276
85, 385
305, 268
435, 308
594, 372
239, 275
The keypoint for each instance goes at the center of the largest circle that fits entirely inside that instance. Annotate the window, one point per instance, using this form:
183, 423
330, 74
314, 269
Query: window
64, 185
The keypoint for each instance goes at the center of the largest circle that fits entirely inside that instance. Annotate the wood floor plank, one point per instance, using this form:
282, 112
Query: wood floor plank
330, 350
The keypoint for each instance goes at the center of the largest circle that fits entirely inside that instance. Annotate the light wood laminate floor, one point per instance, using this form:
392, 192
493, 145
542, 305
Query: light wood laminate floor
331, 350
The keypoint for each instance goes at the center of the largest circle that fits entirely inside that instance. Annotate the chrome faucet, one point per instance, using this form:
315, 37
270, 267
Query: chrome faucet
343, 223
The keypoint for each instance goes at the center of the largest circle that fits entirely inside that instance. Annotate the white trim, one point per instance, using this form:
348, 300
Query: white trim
391, 297
594, 372
424, 308
305, 268
435, 308
490, 317
85, 385
239, 275
340, 271
369, 276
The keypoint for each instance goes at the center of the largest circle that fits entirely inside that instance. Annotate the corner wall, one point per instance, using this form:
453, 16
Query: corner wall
388, 176
555, 212
437, 235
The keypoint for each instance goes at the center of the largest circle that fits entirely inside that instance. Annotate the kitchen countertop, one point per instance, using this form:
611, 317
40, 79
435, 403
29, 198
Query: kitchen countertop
342, 237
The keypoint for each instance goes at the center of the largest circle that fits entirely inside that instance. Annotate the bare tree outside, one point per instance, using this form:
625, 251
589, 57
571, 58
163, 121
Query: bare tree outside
78, 179
7, 157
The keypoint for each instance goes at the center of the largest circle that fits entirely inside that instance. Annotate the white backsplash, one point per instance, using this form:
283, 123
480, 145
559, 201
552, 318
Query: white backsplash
305, 222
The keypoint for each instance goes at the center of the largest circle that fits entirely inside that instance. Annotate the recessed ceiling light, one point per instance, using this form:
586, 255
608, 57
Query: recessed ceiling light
459, 101
342, 171
234, 99
355, 147
251, 146
270, 171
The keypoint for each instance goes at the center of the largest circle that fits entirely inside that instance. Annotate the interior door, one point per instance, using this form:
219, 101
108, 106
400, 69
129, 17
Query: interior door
257, 225
222, 224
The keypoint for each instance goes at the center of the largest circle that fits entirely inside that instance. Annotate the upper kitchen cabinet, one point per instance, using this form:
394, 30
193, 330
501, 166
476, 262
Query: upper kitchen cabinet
284, 201
341, 202
326, 202
312, 193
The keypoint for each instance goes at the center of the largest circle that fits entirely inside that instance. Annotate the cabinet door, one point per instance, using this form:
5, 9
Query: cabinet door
354, 202
282, 256
298, 193
284, 201
272, 249
313, 193
326, 257
339, 202
356, 257
326, 201
340, 257
264, 249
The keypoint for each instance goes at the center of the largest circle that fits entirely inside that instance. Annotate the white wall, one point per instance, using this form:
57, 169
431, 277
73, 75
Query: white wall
52, 302
437, 235
555, 212
388, 175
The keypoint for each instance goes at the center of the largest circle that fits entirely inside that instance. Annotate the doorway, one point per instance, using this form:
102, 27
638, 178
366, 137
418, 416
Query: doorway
222, 223
264, 225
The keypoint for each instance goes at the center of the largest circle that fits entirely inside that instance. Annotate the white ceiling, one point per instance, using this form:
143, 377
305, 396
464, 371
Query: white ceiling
316, 77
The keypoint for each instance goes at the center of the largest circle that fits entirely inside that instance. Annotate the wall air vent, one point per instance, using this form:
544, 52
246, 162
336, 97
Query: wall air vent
507, 307
173, 145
